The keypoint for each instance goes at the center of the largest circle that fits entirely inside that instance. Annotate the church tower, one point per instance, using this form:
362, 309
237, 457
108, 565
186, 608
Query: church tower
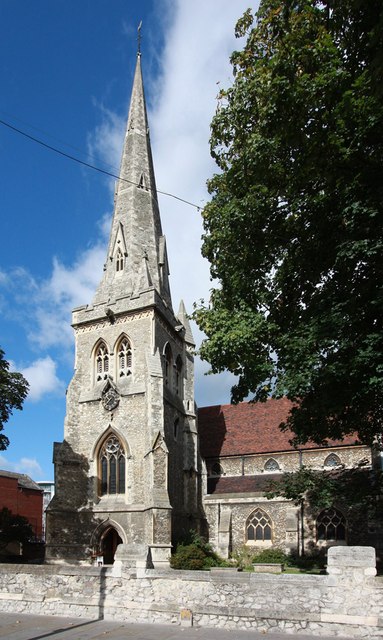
128, 470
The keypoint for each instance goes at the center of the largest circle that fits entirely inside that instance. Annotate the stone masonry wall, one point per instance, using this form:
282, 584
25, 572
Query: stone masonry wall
347, 602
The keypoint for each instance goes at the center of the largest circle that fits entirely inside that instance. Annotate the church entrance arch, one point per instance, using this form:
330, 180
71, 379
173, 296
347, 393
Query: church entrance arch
109, 543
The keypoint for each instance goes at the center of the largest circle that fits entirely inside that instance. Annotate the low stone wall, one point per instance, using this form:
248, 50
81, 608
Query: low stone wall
346, 602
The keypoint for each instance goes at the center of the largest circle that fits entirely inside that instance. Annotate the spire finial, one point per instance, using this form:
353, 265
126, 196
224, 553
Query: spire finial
139, 39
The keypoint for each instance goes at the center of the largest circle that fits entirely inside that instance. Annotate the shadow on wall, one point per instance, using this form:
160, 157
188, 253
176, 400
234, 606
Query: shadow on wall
74, 534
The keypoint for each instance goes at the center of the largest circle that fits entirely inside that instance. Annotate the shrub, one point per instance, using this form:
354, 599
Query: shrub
195, 553
188, 557
270, 555
314, 559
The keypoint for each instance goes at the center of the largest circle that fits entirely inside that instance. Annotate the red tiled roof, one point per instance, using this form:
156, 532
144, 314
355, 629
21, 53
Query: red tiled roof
245, 428
241, 484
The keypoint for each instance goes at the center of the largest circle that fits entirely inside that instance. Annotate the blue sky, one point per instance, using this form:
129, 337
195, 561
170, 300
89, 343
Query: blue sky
66, 70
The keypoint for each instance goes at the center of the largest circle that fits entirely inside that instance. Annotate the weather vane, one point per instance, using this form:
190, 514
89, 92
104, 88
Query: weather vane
139, 38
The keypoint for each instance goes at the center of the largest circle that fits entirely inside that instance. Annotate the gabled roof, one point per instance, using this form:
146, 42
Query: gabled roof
23, 480
246, 428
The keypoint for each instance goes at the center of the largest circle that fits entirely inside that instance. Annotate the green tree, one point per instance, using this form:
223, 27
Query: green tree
13, 391
358, 489
13, 528
293, 231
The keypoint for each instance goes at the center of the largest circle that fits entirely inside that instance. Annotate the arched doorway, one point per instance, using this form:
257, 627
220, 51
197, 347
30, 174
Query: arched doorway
109, 544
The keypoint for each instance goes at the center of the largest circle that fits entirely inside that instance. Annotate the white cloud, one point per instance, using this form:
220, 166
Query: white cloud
51, 301
42, 378
29, 466
196, 58
104, 143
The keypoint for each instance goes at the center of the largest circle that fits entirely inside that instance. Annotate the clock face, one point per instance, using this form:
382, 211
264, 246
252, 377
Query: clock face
110, 400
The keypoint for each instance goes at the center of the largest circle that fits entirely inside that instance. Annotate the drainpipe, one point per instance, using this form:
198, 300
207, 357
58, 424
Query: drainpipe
302, 536
301, 550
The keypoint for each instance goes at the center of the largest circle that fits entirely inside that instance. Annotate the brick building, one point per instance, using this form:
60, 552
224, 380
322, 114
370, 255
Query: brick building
23, 497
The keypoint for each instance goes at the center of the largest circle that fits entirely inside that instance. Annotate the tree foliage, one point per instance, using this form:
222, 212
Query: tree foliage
13, 391
13, 528
293, 231
357, 487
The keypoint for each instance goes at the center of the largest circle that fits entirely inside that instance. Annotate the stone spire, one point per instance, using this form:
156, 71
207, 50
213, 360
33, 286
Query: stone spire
136, 260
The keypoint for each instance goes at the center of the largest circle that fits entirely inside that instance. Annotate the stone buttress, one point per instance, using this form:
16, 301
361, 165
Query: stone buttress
128, 469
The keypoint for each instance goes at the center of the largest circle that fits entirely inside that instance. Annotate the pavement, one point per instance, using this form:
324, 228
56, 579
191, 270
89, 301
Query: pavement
17, 626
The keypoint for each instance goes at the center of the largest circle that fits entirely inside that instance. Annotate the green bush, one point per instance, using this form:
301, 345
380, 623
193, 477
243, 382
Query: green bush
188, 557
315, 559
270, 555
195, 553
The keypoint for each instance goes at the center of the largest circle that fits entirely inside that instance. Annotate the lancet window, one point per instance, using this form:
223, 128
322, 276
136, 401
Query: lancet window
102, 362
259, 527
119, 260
178, 377
112, 462
168, 362
124, 358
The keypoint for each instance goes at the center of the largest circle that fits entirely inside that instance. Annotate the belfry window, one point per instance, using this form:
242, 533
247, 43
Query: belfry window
102, 362
124, 358
112, 467
331, 525
258, 527
119, 260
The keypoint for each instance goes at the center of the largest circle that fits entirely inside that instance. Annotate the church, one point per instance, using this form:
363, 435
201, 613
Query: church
140, 466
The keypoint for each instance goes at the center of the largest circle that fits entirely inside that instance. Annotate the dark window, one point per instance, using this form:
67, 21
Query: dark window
216, 470
124, 358
168, 366
331, 525
119, 260
102, 362
178, 377
112, 467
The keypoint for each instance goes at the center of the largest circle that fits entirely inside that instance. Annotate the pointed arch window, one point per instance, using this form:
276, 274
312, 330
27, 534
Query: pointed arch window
178, 377
175, 428
119, 260
112, 463
271, 465
216, 470
168, 358
331, 525
259, 527
142, 182
102, 362
124, 358
332, 460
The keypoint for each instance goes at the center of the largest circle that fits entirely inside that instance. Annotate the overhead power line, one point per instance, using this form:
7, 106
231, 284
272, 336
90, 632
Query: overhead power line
87, 164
